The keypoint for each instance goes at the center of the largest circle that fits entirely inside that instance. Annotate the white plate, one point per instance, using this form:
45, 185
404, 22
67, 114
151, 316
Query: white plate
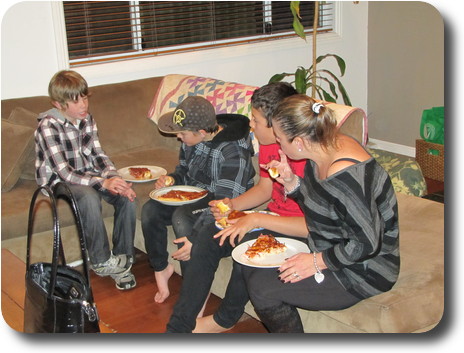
156, 172
157, 193
293, 247
219, 226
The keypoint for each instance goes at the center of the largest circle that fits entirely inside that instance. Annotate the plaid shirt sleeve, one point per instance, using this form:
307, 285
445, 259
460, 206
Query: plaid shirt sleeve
233, 173
65, 153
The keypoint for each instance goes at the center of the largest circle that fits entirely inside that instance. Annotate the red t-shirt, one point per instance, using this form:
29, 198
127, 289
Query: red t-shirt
284, 207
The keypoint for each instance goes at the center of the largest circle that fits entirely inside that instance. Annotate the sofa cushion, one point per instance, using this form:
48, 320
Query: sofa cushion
25, 117
405, 173
120, 110
416, 301
21, 140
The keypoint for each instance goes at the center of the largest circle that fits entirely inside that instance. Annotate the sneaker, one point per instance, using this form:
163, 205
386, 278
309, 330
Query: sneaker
115, 265
124, 281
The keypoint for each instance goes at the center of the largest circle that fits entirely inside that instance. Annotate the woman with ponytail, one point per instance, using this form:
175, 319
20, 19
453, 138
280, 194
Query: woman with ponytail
351, 216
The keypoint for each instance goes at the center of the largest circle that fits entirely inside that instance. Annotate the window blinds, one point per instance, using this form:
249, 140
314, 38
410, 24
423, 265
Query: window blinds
102, 31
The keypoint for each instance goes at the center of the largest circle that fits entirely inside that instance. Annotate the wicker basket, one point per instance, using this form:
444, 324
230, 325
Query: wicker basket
432, 165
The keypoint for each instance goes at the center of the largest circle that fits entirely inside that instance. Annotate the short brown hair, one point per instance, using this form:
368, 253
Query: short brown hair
268, 97
297, 117
67, 85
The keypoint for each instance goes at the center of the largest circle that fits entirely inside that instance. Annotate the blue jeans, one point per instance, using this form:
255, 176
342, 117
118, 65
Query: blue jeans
155, 219
89, 203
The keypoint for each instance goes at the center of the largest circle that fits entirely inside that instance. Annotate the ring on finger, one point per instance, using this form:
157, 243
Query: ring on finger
296, 275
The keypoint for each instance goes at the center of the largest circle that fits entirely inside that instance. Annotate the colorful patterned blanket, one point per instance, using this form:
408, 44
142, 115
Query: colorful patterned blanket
235, 98
226, 97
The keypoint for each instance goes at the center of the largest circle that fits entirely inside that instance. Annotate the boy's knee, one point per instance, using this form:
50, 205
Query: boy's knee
90, 201
149, 210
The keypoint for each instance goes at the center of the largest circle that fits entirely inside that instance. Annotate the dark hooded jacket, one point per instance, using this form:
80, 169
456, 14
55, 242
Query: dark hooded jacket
223, 165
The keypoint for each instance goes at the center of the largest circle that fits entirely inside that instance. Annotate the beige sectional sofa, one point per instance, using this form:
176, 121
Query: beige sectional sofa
126, 113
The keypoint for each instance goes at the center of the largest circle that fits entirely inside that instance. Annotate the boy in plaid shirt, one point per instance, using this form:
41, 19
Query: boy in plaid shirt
215, 155
68, 150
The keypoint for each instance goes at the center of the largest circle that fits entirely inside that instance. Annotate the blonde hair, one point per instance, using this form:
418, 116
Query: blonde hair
67, 85
298, 116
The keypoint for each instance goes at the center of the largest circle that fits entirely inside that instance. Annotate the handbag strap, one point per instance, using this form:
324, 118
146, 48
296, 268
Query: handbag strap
56, 225
61, 190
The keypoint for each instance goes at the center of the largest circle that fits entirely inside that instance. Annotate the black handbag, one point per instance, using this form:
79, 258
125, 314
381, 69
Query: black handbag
58, 297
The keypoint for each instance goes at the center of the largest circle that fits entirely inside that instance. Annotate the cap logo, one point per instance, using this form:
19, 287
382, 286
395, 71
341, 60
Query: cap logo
178, 117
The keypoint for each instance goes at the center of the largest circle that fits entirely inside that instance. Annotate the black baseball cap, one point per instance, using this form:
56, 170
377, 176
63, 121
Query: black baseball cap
194, 113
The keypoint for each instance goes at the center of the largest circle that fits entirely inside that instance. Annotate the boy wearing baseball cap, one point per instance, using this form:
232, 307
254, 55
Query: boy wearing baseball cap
215, 155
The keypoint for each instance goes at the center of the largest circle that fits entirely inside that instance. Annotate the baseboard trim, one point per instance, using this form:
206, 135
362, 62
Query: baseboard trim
392, 147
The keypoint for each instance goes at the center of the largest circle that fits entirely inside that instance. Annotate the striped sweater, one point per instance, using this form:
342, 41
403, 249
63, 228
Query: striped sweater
352, 218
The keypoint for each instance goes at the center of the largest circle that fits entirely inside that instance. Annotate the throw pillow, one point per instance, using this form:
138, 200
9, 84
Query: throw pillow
405, 173
25, 117
18, 140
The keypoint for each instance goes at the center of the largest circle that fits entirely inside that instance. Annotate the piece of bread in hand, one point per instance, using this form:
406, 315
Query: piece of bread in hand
169, 181
273, 172
223, 208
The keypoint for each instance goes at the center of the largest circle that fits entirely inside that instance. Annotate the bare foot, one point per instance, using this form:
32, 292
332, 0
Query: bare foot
162, 278
202, 311
208, 325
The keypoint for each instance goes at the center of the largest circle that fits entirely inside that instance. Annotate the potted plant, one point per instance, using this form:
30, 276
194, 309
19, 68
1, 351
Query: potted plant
314, 77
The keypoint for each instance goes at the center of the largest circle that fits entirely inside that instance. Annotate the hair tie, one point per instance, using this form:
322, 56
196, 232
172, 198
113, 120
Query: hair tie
317, 107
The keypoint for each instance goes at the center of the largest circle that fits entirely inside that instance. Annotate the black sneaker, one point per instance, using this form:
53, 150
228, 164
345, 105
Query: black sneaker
125, 281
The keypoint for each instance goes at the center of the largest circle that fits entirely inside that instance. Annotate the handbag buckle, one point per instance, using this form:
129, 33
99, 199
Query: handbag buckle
90, 310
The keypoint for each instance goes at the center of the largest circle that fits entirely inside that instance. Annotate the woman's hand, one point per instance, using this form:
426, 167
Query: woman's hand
286, 176
297, 267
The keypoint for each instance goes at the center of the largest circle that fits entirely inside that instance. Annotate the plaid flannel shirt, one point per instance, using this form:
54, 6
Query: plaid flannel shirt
223, 166
69, 153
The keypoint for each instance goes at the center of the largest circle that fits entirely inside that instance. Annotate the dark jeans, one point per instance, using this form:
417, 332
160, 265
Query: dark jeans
155, 219
276, 302
266, 290
196, 283
90, 207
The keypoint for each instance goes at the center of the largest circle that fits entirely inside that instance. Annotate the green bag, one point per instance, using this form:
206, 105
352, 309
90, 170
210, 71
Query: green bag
432, 127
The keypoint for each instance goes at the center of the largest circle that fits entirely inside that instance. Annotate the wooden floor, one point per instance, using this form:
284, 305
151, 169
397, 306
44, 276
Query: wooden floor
132, 311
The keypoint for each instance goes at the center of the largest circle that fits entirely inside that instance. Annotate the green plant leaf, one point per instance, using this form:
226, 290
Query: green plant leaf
300, 80
340, 86
278, 77
297, 26
324, 95
333, 88
340, 62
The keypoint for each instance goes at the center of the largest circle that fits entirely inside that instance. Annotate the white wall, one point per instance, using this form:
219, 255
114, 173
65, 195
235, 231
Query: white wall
406, 68
33, 49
